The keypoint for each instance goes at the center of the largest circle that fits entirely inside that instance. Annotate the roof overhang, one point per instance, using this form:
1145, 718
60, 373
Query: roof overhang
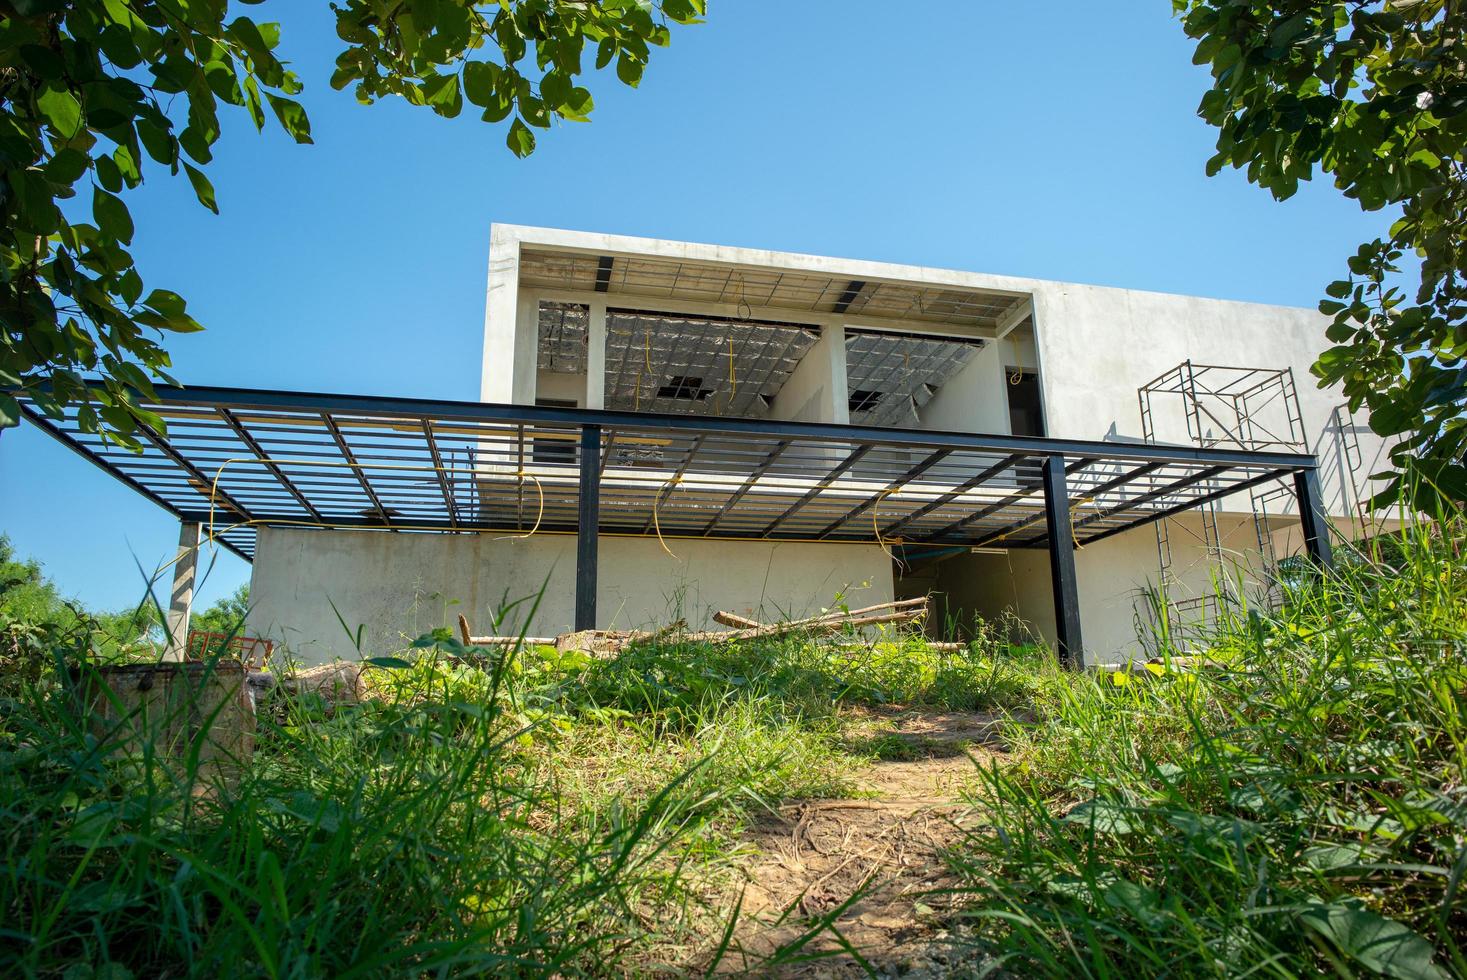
238, 459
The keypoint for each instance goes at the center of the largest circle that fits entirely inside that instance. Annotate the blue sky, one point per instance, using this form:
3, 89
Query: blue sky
1058, 141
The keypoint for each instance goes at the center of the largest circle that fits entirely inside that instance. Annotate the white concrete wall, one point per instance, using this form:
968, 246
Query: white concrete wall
399, 586
1098, 345
1113, 577
816, 390
973, 400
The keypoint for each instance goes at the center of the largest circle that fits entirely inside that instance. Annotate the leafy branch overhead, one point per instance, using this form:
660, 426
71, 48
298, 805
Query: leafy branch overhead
1374, 93
98, 93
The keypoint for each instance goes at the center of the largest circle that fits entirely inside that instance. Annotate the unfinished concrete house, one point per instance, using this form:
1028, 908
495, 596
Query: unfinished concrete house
666, 429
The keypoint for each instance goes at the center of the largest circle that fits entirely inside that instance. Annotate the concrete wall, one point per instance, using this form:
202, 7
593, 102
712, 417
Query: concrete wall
973, 400
1098, 345
816, 390
1113, 577
399, 586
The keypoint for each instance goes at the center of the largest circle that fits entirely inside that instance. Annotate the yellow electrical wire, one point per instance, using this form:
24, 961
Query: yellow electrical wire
656, 522
539, 514
732, 380
876, 526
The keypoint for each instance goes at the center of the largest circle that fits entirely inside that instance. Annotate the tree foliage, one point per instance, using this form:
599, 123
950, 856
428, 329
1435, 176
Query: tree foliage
1373, 93
97, 94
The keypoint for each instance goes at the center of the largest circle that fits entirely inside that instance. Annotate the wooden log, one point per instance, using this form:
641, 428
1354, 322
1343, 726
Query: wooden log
816, 625
732, 619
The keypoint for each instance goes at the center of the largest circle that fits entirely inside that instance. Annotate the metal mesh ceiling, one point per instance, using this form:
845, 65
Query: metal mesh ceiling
891, 376
772, 288
563, 336
681, 365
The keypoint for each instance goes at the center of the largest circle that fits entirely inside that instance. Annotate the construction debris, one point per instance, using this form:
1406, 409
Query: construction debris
606, 642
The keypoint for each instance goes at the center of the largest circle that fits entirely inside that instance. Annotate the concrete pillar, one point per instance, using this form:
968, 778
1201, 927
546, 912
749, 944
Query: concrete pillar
181, 600
596, 355
501, 316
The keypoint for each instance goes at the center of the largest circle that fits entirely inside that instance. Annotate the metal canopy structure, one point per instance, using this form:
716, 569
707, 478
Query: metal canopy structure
236, 460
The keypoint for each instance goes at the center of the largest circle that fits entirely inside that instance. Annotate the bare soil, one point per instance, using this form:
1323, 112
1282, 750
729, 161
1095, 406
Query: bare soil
885, 846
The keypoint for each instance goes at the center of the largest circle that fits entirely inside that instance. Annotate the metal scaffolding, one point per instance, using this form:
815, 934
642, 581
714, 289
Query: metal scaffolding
1221, 406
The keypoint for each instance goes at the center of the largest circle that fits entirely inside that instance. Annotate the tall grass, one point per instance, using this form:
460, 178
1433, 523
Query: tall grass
1296, 808
397, 836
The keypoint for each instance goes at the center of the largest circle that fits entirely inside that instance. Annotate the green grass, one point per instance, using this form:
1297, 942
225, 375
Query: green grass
1297, 809
538, 814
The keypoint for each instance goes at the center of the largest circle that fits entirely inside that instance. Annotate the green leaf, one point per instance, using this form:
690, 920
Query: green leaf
9, 411
112, 216
203, 190
520, 140
67, 166
578, 105
442, 93
394, 663
480, 78
292, 116
61, 109
1375, 942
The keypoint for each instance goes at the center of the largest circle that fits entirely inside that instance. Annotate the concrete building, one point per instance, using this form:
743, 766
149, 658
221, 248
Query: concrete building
667, 429
597, 321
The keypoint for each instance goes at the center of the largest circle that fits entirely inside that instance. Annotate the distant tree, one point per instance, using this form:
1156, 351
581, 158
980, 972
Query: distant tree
33, 613
91, 90
1374, 93
225, 616
26, 594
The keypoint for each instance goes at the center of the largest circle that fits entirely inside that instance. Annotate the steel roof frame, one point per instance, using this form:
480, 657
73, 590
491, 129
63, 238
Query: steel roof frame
240, 459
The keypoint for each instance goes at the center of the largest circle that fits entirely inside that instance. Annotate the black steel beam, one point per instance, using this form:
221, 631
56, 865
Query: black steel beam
264, 457
484, 412
1185, 505
677, 476
356, 468
1312, 516
896, 484
999, 505
448, 500
588, 522
748, 485
603, 273
1105, 487
851, 460
1062, 565
206, 485
848, 296
952, 495
1176, 486
45, 425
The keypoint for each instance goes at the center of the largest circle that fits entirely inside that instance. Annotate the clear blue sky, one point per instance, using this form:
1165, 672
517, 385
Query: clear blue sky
1053, 140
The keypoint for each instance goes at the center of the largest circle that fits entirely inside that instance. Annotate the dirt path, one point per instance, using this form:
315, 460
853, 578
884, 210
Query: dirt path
813, 855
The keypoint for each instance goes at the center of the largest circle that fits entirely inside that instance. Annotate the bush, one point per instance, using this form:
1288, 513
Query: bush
1298, 808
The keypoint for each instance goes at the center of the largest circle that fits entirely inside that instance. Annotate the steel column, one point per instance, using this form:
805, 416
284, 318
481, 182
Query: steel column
1062, 565
588, 519
1312, 516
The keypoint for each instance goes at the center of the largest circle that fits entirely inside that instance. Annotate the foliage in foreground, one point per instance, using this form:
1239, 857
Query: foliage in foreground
537, 814
1299, 808
99, 93
399, 836
1373, 92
